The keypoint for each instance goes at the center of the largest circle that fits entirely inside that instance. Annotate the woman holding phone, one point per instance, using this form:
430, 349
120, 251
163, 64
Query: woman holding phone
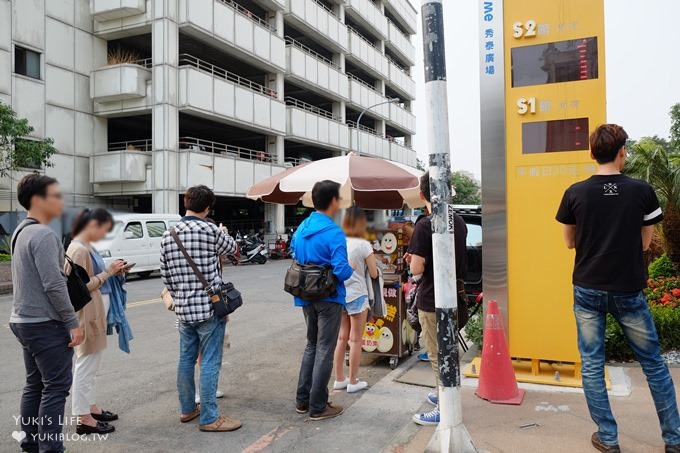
90, 226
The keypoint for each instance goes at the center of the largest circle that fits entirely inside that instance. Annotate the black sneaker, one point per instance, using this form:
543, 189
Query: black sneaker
105, 416
605, 448
673, 448
101, 428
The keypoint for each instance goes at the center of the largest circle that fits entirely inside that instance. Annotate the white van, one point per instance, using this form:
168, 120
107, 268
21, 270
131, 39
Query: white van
136, 238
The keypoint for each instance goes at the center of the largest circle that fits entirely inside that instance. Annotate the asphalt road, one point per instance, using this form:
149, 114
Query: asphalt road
259, 378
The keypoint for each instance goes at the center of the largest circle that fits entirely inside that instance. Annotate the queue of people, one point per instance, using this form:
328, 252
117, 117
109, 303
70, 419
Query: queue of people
607, 218
45, 322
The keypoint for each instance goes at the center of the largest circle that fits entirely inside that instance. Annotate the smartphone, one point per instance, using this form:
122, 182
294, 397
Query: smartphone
129, 266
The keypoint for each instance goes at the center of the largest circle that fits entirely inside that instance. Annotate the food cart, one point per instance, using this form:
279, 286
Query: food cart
390, 336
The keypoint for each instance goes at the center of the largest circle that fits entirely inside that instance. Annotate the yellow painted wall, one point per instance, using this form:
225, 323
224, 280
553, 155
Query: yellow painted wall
541, 321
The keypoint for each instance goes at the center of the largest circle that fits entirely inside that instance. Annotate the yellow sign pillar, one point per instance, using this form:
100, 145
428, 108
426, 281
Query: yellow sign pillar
552, 63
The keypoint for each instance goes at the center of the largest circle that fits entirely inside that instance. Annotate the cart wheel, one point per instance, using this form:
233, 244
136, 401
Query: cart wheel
393, 362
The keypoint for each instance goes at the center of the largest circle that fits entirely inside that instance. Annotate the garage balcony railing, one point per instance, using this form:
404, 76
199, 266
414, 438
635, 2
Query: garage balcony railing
290, 42
249, 14
293, 102
204, 66
237, 152
131, 145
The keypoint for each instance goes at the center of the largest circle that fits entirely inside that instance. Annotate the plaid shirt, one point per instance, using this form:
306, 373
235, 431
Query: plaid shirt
205, 243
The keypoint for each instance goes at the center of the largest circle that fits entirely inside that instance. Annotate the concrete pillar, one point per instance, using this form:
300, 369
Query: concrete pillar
275, 19
339, 110
380, 86
339, 10
275, 81
274, 215
165, 115
380, 127
275, 218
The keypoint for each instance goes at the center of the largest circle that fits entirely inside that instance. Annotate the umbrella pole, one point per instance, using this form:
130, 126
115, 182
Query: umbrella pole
451, 435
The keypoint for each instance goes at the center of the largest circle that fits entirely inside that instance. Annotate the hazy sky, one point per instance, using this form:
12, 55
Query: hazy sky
643, 71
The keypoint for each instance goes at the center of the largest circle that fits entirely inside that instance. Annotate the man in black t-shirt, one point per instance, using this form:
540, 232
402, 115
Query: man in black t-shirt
420, 260
608, 219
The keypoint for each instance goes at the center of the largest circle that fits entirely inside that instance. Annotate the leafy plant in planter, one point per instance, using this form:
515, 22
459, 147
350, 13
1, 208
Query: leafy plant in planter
662, 267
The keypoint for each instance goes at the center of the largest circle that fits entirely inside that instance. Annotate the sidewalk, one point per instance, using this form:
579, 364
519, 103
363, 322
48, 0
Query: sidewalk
559, 421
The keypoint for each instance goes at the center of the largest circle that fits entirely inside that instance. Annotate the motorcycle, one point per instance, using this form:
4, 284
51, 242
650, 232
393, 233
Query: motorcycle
251, 250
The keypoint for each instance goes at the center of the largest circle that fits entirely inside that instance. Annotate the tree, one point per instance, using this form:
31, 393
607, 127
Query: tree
675, 127
656, 161
17, 151
468, 190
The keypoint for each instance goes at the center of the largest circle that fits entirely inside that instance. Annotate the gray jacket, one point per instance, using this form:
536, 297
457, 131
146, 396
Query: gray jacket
40, 289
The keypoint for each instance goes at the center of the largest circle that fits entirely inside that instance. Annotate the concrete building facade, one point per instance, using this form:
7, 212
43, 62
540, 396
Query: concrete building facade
145, 98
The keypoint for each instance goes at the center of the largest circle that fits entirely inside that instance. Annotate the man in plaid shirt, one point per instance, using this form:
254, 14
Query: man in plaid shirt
200, 330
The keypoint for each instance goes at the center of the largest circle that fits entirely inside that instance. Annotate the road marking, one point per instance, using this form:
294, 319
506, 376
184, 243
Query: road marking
266, 440
144, 302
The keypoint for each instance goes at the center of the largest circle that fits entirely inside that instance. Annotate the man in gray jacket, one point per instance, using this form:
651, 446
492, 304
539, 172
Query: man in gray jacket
42, 316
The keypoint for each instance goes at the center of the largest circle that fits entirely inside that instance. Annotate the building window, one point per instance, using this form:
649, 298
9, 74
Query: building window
26, 62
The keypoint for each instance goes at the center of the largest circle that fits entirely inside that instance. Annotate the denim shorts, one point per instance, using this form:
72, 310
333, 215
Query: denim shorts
357, 305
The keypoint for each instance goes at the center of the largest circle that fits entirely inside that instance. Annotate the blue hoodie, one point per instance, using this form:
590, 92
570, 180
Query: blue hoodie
320, 241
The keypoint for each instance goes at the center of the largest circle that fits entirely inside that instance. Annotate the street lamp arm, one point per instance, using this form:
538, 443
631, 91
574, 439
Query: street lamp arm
361, 115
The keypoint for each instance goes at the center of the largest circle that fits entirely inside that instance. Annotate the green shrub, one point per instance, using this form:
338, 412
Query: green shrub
5, 258
474, 329
667, 321
662, 267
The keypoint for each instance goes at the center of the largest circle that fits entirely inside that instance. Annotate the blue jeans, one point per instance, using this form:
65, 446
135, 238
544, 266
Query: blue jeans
632, 312
48, 362
323, 325
208, 338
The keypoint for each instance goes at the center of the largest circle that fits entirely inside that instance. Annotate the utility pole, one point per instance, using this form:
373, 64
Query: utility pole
451, 435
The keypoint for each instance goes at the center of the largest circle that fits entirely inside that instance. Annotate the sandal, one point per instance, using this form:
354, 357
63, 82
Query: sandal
186, 418
222, 424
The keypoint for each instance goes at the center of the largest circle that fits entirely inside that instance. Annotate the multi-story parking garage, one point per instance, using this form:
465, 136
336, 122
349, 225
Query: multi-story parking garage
145, 98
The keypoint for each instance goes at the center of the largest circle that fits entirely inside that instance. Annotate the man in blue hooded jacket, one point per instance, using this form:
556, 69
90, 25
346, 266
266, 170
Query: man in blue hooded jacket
320, 241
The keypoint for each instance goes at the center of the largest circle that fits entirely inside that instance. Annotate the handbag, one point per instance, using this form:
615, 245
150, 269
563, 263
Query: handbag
310, 282
76, 280
226, 299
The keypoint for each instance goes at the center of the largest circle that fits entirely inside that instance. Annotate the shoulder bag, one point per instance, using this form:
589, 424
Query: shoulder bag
226, 298
76, 280
310, 282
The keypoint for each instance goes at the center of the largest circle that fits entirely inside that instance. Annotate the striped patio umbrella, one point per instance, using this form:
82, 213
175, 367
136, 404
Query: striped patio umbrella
366, 182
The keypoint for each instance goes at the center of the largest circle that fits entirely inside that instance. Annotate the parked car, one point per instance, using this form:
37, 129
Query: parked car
472, 215
136, 238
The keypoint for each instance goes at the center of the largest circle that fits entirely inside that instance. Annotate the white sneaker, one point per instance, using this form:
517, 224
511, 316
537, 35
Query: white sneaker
341, 385
218, 394
361, 385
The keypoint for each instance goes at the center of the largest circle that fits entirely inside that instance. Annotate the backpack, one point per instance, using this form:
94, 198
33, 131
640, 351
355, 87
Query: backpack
76, 280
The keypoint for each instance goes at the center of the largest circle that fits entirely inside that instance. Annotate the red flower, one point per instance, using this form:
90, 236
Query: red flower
676, 292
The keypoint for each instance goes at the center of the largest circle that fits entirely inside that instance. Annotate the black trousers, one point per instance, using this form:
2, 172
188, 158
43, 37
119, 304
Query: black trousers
48, 361
323, 324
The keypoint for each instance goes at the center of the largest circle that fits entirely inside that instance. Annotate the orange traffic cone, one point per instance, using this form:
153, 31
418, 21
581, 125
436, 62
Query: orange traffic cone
497, 383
